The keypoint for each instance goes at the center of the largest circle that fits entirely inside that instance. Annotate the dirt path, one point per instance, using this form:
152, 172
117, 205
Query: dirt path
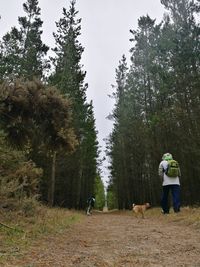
118, 240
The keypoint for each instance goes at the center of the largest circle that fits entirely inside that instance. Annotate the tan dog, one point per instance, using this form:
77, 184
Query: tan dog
141, 208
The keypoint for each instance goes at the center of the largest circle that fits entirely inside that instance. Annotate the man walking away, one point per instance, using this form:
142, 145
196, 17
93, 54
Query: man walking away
170, 172
90, 202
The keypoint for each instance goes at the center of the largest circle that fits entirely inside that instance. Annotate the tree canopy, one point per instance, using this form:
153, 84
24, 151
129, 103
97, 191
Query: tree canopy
49, 118
157, 107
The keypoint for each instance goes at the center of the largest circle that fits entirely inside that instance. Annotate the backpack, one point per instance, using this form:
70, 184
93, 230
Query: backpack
172, 168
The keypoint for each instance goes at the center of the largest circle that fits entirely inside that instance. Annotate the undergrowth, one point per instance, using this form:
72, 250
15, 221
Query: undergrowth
19, 230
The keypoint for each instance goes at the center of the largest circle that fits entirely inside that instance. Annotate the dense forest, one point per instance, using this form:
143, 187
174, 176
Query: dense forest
157, 107
49, 148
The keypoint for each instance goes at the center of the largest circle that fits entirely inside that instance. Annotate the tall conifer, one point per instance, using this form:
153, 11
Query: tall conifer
69, 79
22, 50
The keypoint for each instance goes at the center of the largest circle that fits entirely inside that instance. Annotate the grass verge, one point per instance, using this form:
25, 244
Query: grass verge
18, 232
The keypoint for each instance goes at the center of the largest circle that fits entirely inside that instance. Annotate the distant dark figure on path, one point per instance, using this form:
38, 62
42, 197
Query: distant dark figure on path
90, 203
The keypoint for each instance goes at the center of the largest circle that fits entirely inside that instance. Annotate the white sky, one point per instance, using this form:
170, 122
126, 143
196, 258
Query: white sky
105, 36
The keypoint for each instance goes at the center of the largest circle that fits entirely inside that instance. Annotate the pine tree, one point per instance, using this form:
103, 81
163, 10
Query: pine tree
22, 50
184, 63
118, 137
161, 106
69, 78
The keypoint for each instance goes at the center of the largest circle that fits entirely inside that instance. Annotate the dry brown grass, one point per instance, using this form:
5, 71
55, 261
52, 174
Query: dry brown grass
187, 216
18, 231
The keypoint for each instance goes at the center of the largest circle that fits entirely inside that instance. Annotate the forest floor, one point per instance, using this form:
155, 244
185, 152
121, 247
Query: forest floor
119, 239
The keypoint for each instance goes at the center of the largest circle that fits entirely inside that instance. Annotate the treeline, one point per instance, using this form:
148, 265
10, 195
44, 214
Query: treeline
157, 107
49, 147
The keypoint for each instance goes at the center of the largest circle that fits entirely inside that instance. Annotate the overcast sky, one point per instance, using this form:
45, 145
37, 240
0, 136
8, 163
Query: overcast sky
105, 36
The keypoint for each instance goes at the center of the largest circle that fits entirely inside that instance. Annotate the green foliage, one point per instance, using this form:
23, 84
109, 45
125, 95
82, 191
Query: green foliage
157, 107
99, 193
19, 177
111, 200
77, 171
36, 118
22, 50
68, 76
29, 206
29, 108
